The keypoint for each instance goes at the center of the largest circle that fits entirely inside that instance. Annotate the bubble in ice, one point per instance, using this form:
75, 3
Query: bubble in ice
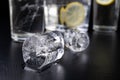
40, 50
75, 40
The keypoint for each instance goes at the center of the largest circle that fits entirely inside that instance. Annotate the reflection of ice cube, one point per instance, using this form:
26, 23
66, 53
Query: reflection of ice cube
75, 40
43, 49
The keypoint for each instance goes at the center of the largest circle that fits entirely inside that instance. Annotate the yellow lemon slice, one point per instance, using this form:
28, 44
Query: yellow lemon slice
62, 15
105, 2
75, 14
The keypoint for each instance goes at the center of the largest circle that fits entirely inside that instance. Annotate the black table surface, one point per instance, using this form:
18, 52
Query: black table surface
100, 61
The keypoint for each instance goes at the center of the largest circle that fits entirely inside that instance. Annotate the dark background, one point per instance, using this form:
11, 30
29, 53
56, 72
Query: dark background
4, 19
101, 61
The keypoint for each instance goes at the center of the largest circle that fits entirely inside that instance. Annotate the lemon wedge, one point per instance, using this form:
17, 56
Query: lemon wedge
105, 2
75, 14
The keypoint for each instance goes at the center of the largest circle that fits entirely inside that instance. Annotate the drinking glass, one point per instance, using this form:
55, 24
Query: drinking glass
26, 18
72, 14
106, 14
71, 18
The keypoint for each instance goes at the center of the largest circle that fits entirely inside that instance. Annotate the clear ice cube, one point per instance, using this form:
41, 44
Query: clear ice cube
75, 40
43, 49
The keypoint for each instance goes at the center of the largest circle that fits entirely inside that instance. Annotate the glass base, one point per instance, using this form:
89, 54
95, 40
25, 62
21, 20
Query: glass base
103, 28
83, 28
20, 37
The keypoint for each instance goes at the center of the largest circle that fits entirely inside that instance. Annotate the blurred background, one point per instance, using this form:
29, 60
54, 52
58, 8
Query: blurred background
5, 24
4, 19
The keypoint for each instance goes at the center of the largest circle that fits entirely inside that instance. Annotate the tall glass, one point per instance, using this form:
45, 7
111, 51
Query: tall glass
105, 15
26, 18
71, 18
72, 14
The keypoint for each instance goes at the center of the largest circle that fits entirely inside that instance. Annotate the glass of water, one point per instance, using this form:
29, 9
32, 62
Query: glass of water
71, 18
106, 13
72, 14
26, 18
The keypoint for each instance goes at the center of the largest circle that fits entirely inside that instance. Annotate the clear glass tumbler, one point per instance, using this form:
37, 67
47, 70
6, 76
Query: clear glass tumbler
26, 18
72, 14
106, 14
71, 18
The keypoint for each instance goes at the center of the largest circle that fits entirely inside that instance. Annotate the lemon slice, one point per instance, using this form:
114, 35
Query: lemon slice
62, 15
75, 14
105, 2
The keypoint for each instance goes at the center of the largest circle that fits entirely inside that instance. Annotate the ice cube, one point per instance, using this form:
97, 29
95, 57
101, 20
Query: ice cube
43, 49
75, 40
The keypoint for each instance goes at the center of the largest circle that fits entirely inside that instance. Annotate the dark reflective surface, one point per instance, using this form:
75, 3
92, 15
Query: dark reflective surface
99, 62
